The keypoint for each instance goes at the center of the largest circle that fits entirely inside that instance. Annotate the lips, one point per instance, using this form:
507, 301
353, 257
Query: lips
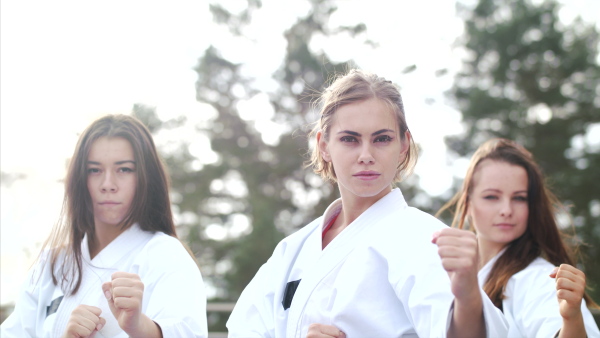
367, 175
109, 203
504, 225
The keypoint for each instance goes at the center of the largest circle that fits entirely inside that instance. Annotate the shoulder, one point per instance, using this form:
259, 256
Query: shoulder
424, 219
162, 240
166, 252
405, 238
536, 276
411, 224
42, 265
539, 267
298, 237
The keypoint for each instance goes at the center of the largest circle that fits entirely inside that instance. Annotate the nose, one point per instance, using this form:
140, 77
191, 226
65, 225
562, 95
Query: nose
108, 183
366, 155
506, 209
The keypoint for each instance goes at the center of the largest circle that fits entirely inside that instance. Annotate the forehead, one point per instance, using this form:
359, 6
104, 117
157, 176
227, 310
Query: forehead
499, 175
111, 146
365, 115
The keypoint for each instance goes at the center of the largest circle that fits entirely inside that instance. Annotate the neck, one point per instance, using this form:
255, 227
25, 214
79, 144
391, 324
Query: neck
353, 206
104, 235
487, 251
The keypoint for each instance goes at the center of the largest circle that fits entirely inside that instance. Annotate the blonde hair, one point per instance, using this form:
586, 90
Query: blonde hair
358, 86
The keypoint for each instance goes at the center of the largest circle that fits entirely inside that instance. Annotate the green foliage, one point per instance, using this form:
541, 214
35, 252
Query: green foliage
531, 79
265, 183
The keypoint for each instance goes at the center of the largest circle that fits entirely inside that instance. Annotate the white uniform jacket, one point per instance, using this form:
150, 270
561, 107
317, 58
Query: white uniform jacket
531, 306
380, 277
174, 293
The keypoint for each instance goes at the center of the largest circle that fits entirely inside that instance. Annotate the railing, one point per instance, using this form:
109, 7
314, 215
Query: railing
219, 307
228, 307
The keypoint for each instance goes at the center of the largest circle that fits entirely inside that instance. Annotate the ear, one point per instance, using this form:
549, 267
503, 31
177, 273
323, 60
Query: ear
322, 144
404, 146
468, 216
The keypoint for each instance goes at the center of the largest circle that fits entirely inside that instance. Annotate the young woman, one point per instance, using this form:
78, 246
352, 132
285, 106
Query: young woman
525, 267
367, 267
114, 266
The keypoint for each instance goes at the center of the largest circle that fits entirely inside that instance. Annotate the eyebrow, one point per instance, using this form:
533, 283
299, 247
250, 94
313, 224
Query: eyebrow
117, 163
353, 133
498, 190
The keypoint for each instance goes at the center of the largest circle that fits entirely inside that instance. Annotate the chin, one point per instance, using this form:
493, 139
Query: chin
371, 192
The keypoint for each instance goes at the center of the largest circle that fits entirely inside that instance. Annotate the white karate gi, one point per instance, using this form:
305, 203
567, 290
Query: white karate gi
531, 307
380, 277
174, 294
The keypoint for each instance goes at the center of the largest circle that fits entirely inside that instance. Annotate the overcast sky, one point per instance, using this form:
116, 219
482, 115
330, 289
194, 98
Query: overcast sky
65, 63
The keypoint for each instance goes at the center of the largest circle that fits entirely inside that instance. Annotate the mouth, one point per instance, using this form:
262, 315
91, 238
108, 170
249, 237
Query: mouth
109, 203
504, 225
367, 175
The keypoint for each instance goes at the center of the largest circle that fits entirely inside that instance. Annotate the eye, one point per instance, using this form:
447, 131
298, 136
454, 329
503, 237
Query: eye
93, 170
126, 170
348, 139
383, 138
521, 198
490, 197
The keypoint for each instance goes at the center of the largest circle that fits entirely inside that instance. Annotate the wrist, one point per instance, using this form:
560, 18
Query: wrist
146, 328
576, 317
470, 298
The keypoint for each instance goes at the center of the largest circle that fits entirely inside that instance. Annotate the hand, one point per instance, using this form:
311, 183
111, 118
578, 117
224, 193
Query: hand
85, 321
458, 251
124, 295
325, 331
570, 288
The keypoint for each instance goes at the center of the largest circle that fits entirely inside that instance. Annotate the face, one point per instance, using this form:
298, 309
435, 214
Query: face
365, 148
498, 206
111, 180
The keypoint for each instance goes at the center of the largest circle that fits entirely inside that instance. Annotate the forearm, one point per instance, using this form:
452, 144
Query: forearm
147, 329
467, 318
573, 328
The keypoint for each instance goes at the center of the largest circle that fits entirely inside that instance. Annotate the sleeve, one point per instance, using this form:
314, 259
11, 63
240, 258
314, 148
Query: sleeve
174, 294
591, 328
534, 305
253, 314
431, 306
424, 287
495, 322
23, 321
428, 299
532, 301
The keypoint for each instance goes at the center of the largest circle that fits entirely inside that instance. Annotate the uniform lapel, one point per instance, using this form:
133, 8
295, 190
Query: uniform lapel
97, 271
336, 252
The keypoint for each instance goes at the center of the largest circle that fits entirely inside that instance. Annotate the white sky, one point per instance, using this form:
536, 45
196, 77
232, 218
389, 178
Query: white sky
65, 63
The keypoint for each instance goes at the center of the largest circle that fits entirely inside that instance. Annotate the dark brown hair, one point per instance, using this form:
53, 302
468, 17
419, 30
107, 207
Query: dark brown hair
151, 207
358, 86
542, 236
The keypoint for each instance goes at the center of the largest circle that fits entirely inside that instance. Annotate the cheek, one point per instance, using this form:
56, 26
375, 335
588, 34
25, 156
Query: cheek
477, 215
525, 214
90, 188
132, 188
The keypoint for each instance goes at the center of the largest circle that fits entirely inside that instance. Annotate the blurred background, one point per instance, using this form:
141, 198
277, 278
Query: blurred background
226, 89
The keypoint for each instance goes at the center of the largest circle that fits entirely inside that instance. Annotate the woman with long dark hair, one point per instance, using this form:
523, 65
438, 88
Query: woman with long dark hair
526, 268
113, 265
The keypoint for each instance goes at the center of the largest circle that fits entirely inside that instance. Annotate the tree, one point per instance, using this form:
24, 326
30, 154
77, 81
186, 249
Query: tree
531, 79
257, 191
